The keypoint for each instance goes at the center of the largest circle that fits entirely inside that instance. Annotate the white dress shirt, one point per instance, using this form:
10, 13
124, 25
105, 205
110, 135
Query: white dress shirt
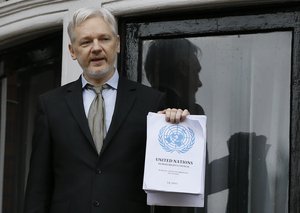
109, 96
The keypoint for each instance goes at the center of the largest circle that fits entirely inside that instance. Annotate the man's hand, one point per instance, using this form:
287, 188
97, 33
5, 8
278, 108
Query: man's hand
175, 115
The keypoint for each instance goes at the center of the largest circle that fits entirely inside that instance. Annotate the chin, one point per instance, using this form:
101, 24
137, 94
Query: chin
98, 74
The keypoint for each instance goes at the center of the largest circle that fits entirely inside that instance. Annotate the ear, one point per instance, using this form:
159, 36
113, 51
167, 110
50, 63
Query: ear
72, 52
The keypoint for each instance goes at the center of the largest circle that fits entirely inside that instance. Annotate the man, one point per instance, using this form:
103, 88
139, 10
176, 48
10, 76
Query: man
67, 172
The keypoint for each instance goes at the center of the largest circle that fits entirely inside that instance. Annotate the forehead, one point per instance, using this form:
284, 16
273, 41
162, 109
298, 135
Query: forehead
93, 26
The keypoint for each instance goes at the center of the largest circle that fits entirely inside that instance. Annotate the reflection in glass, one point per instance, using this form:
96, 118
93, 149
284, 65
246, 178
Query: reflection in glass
245, 93
173, 67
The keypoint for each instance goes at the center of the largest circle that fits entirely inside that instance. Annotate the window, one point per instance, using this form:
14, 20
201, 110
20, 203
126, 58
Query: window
242, 72
27, 71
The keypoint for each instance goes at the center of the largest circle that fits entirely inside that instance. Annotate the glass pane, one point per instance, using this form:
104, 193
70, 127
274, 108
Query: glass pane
243, 84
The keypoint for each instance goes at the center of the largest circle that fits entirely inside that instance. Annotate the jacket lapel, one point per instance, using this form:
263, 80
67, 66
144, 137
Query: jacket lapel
126, 96
75, 103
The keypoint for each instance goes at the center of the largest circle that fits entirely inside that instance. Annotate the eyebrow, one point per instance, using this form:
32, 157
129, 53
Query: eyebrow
100, 36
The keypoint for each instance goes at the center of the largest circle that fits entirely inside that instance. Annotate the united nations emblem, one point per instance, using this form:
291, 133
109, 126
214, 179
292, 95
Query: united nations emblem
176, 138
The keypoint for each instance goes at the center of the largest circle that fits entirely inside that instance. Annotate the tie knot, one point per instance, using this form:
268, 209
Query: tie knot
96, 89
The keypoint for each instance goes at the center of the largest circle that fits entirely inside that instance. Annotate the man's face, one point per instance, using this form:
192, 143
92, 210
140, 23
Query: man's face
95, 47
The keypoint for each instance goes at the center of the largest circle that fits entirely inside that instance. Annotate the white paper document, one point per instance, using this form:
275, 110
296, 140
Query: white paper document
175, 161
155, 198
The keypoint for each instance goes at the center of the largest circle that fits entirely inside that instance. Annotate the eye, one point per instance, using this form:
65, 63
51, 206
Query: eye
105, 39
85, 43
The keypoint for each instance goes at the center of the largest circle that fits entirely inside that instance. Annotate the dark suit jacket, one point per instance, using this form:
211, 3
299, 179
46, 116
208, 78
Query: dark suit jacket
66, 174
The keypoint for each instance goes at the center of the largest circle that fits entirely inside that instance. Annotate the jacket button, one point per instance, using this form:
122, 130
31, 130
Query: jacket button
96, 203
98, 171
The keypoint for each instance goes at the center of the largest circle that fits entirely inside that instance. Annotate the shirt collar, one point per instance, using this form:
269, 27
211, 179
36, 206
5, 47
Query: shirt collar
112, 82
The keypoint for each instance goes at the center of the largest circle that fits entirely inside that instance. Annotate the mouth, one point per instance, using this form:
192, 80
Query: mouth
97, 61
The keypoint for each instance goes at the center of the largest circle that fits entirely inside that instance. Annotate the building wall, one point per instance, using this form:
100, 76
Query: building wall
22, 19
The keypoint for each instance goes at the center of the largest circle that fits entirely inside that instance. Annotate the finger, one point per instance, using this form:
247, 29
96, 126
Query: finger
162, 111
167, 113
178, 115
185, 113
173, 113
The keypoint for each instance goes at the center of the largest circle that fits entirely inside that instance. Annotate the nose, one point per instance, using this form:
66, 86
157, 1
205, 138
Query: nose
96, 46
199, 83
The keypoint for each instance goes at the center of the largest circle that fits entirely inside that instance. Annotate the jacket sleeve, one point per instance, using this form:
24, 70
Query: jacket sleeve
40, 179
162, 103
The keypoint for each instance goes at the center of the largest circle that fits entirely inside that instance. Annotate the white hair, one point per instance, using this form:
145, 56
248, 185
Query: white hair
83, 14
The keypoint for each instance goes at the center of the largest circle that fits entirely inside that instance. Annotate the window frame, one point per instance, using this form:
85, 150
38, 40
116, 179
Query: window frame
3, 90
35, 67
136, 29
